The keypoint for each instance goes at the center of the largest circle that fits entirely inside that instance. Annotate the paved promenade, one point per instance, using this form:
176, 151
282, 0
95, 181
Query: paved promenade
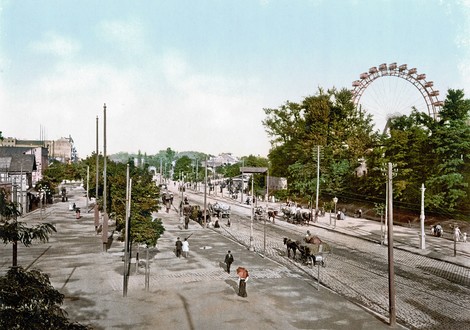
186, 293
405, 238
196, 292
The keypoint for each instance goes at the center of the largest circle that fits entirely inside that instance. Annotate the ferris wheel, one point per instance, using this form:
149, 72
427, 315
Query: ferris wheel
388, 97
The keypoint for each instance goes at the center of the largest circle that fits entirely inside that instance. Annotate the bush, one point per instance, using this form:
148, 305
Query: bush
29, 301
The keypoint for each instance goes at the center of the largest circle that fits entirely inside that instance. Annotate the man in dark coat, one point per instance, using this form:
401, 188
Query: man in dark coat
228, 260
179, 247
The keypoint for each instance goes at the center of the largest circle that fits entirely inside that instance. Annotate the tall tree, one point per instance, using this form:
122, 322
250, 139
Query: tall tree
183, 166
448, 186
14, 232
327, 119
285, 127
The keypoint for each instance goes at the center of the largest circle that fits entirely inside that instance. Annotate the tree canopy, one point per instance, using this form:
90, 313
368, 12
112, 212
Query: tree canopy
29, 301
423, 150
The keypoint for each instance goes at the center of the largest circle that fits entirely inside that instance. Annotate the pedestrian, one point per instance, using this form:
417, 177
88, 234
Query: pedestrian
242, 278
457, 233
228, 260
179, 247
185, 248
307, 236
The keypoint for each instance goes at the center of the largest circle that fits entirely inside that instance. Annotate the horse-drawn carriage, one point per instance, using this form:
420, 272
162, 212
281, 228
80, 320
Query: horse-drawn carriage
259, 213
167, 199
296, 214
220, 210
312, 250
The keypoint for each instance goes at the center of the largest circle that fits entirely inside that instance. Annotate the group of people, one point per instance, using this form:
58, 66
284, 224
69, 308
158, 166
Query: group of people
182, 248
242, 273
436, 230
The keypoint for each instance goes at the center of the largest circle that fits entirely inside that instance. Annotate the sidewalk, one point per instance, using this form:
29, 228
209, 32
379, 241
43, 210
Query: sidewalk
404, 238
186, 293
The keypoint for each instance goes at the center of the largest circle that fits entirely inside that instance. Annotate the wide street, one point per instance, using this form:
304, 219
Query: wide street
186, 293
432, 286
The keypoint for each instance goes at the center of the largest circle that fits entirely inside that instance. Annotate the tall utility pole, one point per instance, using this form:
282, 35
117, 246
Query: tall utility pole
97, 212
87, 185
21, 191
197, 170
391, 272
422, 236
318, 179
205, 196
252, 248
267, 210
126, 235
243, 181
161, 170
105, 212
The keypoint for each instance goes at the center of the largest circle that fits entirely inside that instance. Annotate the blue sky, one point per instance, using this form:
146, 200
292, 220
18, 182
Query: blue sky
196, 75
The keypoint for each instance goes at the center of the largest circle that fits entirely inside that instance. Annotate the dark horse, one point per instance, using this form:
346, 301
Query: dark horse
272, 215
291, 246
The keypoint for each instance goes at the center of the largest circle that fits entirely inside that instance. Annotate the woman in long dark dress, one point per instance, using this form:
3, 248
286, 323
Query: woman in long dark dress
242, 278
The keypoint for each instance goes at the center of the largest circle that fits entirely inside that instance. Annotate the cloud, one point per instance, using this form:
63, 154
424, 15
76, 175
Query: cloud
57, 45
128, 35
164, 101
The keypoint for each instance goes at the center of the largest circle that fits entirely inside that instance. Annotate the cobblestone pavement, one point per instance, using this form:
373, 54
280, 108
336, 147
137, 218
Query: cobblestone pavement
185, 293
430, 293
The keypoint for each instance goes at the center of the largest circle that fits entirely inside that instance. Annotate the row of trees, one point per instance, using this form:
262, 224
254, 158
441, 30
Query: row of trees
423, 150
28, 300
144, 229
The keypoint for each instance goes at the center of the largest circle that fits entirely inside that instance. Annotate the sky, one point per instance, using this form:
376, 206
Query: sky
196, 75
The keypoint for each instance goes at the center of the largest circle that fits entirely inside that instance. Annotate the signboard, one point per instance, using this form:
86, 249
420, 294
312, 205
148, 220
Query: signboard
246, 169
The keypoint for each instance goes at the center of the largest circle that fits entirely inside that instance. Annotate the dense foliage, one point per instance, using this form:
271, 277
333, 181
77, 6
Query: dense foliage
29, 301
329, 122
14, 232
423, 150
145, 194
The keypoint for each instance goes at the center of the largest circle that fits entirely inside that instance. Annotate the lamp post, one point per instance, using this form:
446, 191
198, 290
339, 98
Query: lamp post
205, 195
182, 192
267, 210
422, 236
335, 200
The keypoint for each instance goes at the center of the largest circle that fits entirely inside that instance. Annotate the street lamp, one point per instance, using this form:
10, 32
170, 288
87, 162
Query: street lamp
182, 193
422, 236
335, 200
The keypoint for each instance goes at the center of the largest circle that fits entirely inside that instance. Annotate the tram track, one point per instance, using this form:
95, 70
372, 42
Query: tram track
427, 295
